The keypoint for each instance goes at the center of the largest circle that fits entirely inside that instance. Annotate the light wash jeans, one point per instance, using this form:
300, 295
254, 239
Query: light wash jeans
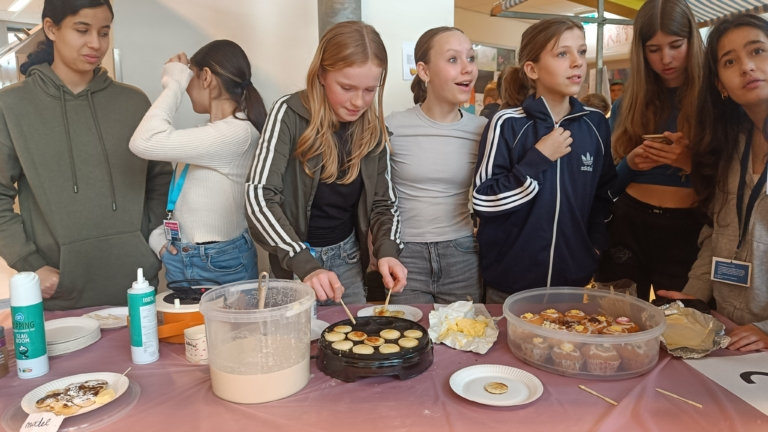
344, 260
224, 262
441, 272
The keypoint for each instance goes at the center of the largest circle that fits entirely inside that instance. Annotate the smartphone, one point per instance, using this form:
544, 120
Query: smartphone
660, 138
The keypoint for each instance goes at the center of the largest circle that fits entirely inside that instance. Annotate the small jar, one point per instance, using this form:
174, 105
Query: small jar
3, 354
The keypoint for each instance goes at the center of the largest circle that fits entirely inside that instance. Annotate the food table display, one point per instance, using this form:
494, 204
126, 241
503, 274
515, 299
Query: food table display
176, 395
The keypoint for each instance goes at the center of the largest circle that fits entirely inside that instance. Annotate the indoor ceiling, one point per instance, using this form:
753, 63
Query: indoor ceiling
30, 14
559, 7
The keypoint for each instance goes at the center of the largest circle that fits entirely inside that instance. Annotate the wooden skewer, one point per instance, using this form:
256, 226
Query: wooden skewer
121, 377
348, 312
678, 397
598, 395
386, 302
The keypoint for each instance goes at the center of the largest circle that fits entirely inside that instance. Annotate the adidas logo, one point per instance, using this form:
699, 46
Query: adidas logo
587, 161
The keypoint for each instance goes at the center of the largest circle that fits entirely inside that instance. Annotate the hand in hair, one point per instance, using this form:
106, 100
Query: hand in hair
49, 280
326, 285
393, 273
556, 144
748, 338
677, 154
181, 57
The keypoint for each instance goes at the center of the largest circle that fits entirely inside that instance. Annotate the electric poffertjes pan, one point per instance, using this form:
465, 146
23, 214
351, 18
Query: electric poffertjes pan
348, 366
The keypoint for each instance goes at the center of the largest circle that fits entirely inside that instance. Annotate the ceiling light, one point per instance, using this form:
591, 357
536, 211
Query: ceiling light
19, 5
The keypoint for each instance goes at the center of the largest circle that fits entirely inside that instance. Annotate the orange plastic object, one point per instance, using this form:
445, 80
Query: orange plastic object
174, 324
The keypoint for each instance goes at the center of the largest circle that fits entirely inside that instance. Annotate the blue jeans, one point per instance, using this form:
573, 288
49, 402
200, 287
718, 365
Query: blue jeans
344, 260
441, 272
224, 262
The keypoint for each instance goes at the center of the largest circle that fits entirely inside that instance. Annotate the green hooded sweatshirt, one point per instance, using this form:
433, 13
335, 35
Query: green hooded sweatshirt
87, 202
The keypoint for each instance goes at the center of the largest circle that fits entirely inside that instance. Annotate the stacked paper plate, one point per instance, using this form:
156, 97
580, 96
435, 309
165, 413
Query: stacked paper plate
68, 335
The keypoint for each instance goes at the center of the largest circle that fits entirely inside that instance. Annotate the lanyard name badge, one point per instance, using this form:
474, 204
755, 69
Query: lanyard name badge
738, 272
172, 228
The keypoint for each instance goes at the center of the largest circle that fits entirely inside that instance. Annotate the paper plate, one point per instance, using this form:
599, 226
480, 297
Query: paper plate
470, 382
411, 312
65, 330
28, 402
111, 318
317, 329
76, 345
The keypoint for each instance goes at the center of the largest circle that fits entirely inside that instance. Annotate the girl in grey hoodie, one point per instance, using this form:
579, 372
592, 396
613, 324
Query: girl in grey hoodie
729, 176
87, 204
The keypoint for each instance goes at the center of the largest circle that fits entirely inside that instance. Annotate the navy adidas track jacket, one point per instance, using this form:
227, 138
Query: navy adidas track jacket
541, 221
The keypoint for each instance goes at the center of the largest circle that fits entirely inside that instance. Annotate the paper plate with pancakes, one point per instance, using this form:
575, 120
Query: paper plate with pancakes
397, 311
76, 394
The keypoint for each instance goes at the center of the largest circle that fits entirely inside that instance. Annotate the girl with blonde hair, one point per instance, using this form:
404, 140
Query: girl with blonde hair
320, 180
655, 227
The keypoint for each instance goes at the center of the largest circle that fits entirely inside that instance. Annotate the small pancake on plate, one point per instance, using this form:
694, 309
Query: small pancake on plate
496, 388
343, 345
389, 348
356, 336
415, 334
342, 329
363, 349
374, 341
334, 336
408, 342
390, 334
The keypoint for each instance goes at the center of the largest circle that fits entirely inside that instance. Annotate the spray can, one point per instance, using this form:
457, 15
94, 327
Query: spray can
28, 326
145, 347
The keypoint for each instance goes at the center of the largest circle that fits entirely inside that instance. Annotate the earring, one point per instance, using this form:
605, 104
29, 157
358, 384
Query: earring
724, 95
425, 84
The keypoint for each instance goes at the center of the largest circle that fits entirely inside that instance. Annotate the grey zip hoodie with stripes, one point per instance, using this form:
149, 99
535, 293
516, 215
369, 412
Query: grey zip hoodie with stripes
279, 196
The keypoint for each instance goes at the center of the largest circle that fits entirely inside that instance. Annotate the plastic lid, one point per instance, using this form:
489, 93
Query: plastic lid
140, 281
25, 289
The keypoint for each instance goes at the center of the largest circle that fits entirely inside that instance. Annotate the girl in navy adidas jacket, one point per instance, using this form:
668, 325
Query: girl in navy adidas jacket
544, 171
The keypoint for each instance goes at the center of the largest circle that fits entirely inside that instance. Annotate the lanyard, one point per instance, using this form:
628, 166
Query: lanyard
175, 190
756, 191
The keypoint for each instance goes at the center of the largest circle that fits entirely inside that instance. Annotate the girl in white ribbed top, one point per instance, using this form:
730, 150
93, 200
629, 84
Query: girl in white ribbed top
206, 236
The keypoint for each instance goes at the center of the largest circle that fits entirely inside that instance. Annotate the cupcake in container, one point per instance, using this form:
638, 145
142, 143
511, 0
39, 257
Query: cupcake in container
601, 359
567, 358
536, 350
635, 356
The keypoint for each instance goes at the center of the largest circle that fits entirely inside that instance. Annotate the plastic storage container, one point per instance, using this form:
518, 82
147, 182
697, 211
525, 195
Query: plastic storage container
636, 353
258, 356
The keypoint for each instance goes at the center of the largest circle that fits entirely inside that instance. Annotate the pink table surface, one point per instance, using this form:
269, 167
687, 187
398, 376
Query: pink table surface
176, 395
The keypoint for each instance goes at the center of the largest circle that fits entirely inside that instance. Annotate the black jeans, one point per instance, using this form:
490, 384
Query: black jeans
650, 245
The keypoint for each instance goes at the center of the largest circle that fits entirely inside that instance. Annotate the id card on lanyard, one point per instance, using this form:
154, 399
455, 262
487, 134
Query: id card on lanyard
731, 271
172, 228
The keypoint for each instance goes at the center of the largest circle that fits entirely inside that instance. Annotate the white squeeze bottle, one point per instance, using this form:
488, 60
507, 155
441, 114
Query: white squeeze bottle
145, 347
28, 325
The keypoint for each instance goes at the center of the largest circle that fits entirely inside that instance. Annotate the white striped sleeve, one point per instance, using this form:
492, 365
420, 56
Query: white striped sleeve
262, 198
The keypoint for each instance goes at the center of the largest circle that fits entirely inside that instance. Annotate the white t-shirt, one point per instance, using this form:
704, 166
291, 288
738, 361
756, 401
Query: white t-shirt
432, 167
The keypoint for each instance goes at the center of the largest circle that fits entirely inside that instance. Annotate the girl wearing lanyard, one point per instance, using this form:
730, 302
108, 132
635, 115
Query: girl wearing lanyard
320, 180
730, 177
206, 234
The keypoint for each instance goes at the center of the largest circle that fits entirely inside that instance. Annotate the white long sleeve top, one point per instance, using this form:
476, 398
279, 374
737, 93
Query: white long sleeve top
211, 206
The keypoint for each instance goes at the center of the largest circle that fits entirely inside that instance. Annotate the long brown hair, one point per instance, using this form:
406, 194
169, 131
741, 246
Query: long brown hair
720, 121
346, 44
421, 55
536, 39
643, 105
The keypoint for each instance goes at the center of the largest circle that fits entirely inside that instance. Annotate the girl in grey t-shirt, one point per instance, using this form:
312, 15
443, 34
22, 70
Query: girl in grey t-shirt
434, 149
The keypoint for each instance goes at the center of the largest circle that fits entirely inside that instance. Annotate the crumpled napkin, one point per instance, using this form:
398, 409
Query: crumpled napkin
440, 321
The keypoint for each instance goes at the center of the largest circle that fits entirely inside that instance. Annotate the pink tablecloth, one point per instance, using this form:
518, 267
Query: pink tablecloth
176, 395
